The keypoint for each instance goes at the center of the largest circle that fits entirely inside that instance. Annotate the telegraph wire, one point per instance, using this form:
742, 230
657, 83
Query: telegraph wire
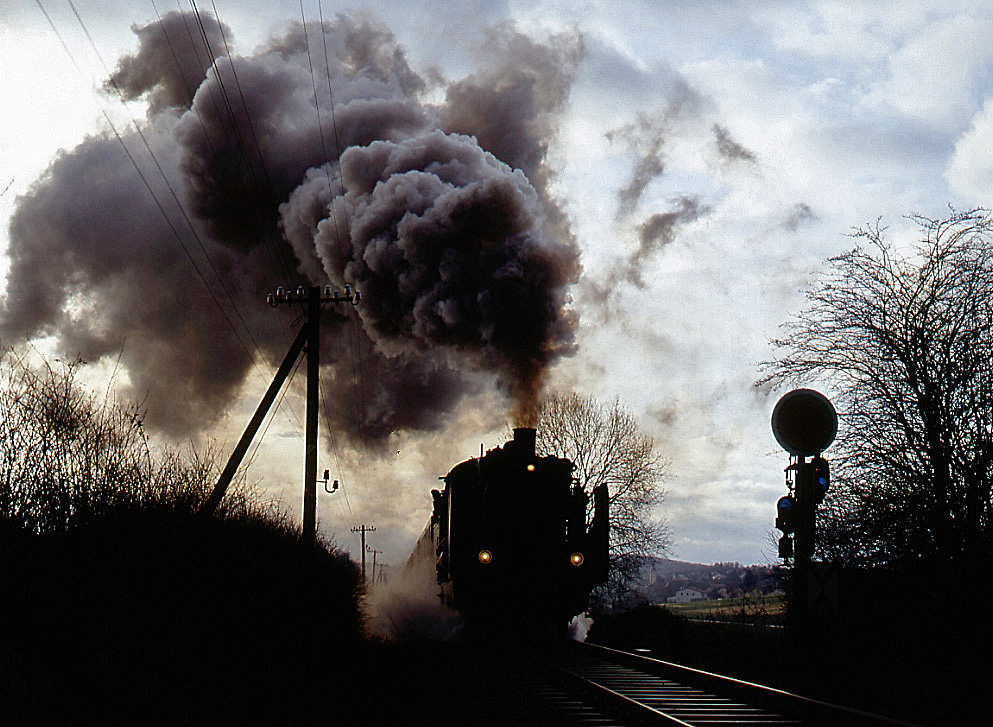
275, 408
334, 447
229, 127
334, 123
182, 74
204, 65
155, 198
317, 106
172, 225
331, 204
288, 268
143, 178
357, 372
172, 192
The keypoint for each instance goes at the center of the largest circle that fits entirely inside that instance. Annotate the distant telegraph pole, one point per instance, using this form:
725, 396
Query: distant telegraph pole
374, 552
309, 340
363, 529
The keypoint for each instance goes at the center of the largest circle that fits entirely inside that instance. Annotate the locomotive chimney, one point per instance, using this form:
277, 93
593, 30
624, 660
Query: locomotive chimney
524, 438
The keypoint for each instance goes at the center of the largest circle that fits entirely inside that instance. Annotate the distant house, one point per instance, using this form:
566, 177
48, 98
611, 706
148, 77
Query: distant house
685, 595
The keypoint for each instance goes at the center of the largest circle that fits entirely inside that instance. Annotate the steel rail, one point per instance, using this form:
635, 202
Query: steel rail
640, 712
812, 711
648, 699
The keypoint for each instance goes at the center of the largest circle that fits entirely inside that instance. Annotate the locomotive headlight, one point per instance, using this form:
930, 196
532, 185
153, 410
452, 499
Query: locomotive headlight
576, 559
530, 468
485, 557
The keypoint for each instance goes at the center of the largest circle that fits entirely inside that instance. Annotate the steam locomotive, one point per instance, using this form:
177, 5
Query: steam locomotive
512, 541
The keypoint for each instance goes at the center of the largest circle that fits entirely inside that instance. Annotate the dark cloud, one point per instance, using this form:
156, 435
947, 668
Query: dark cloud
728, 148
440, 215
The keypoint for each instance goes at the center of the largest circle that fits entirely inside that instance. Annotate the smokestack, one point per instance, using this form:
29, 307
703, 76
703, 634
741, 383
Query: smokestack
524, 439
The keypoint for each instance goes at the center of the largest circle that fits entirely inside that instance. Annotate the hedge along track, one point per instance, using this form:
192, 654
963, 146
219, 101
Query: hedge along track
587, 684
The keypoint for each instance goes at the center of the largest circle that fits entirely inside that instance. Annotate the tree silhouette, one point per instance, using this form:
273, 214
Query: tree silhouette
904, 342
608, 447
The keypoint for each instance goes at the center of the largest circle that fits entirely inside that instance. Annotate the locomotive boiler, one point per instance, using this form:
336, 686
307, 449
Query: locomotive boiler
518, 542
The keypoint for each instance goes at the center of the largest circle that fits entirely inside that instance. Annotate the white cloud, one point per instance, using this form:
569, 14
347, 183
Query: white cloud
934, 75
970, 171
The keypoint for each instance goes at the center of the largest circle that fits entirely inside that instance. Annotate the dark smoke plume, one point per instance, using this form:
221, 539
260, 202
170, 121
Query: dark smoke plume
440, 214
728, 148
647, 137
446, 243
801, 214
658, 231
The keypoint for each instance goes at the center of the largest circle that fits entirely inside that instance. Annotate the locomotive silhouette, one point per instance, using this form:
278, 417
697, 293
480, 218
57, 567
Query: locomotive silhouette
518, 542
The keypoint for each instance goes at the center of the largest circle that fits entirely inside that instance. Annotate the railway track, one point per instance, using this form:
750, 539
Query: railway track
585, 684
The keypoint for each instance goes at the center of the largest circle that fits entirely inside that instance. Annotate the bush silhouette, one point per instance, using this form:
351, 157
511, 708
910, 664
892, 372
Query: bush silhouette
119, 602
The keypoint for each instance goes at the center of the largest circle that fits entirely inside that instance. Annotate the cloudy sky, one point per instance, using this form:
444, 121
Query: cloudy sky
677, 171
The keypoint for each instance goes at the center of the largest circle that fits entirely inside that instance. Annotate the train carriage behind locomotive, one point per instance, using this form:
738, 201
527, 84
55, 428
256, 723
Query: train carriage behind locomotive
516, 538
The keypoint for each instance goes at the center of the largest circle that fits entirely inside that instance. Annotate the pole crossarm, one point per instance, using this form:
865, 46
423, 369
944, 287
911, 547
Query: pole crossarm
303, 296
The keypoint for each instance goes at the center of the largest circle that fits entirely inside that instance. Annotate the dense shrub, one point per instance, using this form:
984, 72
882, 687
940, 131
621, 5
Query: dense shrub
119, 602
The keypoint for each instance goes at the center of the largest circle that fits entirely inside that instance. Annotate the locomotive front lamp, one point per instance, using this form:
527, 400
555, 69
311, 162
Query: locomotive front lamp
576, 559
485, 557
530, 467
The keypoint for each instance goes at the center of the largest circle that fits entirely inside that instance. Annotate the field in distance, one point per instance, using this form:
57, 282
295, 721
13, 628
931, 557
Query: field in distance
756, 608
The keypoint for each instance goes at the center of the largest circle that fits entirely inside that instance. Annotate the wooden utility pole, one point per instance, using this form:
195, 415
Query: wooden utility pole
308, 339
313, 404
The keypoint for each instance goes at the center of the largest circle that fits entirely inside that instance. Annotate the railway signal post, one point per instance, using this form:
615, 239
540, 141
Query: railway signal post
804, 423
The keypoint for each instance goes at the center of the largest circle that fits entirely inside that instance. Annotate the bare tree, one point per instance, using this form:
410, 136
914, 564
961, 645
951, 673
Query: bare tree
608, 447
68, 456
905, 344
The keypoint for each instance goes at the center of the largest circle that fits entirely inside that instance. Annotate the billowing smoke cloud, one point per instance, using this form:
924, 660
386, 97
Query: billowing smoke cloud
173, 61
446, 243
440, 214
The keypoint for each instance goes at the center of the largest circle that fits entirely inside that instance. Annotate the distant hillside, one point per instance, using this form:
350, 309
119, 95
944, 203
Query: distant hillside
662, 577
